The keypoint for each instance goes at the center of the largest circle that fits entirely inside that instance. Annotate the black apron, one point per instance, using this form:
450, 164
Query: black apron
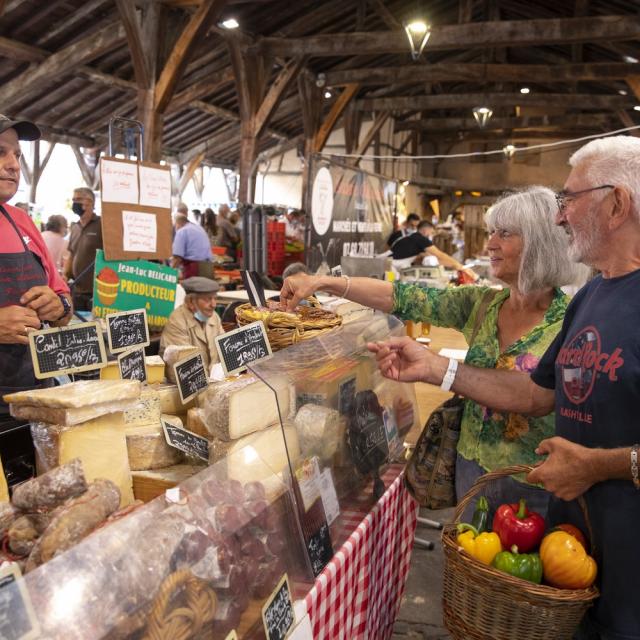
16, 369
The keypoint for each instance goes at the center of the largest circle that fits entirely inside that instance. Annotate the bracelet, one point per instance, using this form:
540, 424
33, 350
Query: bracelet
634, 466
450, 375
348, 286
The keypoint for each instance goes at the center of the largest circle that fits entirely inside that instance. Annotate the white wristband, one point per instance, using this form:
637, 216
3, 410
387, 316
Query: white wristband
450, 375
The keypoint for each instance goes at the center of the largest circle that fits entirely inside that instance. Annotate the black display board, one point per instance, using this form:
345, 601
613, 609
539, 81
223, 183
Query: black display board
190, 376
71, 349
186, 441
240, 347
132, 365
277, 613
346, 396
127, 330
17, 620
367, 434
320, 549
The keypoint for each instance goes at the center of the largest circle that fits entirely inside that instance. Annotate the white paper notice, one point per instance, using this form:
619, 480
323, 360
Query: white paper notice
140, 232
119, 181
155, 187
329, 496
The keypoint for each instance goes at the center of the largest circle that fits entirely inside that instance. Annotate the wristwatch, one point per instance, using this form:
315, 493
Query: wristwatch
65, 305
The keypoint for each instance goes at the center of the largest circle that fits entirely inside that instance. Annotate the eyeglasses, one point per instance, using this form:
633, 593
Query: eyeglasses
563, 197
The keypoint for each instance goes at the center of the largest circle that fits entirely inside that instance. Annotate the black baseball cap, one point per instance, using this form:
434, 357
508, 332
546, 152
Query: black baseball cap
26, 130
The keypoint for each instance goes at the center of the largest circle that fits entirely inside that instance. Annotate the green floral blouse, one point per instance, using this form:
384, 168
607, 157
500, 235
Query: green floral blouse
491, 438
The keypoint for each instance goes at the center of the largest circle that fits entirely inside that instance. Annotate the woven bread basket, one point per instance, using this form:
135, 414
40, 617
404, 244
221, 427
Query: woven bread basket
482, 603
285, 329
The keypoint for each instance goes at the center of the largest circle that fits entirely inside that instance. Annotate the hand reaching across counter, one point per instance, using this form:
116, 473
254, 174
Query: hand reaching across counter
405, 360
297, 288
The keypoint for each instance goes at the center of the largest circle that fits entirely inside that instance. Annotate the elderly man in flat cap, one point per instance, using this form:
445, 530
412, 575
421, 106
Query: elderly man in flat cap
195, 322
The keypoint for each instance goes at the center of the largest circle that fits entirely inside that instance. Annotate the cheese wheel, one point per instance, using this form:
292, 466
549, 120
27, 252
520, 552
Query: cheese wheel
148, 449
318, 431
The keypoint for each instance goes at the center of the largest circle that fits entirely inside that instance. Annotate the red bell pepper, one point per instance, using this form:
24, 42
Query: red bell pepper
516, 525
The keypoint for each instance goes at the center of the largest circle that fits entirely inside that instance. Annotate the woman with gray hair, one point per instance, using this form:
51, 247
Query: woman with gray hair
528, 253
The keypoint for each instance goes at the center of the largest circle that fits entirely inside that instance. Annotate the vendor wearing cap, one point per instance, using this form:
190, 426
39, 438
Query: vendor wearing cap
31, 289
195, 322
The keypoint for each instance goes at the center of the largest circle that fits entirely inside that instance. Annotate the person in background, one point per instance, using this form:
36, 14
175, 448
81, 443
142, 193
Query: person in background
529, 254
84, 240
195, 322
409, 226
39, 294
182, 210
197, 216
209, 224
294, 268
54, 236
294, 229
190, 246
22, 205
228, 236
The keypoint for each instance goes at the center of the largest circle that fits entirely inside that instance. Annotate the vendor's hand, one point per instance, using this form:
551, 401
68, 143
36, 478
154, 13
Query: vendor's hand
15, 324
566, 472
45, 302
296, 288
405, 360
471, 273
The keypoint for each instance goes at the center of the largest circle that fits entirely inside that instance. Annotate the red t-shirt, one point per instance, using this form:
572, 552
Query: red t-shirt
10, 243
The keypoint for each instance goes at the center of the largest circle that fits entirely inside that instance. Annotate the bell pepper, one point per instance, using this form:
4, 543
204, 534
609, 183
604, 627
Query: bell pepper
481, 546
518, 526
566, 563
527, 566
480, 518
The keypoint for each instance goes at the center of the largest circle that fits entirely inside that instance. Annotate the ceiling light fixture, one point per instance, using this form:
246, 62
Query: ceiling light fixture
230, 23
509, 150
637, 107
418, 33
622, 92
525, 90
327, 94
482, 115
630, 59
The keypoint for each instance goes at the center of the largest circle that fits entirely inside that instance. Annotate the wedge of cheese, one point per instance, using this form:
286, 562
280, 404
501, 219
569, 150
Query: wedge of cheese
195, 423
148, 485
170, 402
238, 407
100, 444
319, 430
153, 364
146, 410
69, 417
148, 449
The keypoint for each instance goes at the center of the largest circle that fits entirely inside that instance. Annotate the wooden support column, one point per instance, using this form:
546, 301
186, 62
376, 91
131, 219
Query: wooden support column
88, 173
311, 105
337, 109
189, 172
352, 124
34, 173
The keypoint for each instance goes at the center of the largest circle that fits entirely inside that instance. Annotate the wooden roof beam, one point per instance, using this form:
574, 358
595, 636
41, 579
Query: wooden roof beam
378, 123
336, 111
198, 90
502, 33
479, 73
135, 40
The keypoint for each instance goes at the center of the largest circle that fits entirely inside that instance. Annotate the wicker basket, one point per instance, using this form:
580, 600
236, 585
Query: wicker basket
285, 329
482, 603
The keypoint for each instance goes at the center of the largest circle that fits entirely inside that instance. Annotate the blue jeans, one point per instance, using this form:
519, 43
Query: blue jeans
505, 490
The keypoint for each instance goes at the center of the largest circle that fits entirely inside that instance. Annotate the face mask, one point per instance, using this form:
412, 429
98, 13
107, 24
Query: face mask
77, 208
198, 315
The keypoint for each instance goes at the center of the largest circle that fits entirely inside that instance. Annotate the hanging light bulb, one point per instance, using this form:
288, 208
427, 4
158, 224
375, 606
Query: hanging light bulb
482, 115
509, 150
418, 33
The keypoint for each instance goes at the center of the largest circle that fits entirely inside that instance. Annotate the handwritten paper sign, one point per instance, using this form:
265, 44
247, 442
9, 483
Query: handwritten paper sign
132, 365
155, 187
190, 376
71, 349
186, 441
17, 619
127, 329
277, 612
140, 231
119, 181
242, 346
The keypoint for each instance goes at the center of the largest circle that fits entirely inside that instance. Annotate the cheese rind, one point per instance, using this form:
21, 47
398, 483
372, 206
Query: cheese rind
148, 449
148, 485
69, 417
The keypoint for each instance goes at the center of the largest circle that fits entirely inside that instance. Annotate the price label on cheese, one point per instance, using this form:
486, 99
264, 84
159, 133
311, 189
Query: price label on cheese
132, 365
127, 329
72, 349
277, 613
17, 618
243, 346
186, 441
191, 377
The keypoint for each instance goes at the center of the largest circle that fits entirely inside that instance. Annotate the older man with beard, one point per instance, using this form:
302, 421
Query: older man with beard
590, 375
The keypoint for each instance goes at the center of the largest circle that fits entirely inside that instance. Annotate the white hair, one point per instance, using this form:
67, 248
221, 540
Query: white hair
614, 160
531, 214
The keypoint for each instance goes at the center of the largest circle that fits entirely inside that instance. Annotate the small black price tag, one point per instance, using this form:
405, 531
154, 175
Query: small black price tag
17, 618
72, 349
320, 549
132, 365
127, 329
188, 442
191, 376
277, 612
241, 347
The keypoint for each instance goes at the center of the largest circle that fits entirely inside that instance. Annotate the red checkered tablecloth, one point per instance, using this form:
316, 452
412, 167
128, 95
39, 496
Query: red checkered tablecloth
358, 594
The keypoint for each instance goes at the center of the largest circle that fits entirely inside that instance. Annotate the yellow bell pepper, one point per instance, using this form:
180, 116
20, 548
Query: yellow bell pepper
483, 547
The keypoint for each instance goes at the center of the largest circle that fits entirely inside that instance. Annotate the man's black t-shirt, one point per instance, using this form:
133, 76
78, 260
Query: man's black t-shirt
594, 367
410, 246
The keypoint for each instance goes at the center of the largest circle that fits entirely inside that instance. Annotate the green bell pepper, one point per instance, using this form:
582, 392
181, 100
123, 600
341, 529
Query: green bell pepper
481, 515
527, 566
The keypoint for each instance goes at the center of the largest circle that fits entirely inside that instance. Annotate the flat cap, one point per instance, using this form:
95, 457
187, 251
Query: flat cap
198, 284
25, 129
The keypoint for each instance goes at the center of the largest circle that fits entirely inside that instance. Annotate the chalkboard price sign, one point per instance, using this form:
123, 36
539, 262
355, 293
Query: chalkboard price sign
188, 442
132, 365
242, 346
320, 549
277, 612
17, 619
72, 349
191, 376
127, 329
